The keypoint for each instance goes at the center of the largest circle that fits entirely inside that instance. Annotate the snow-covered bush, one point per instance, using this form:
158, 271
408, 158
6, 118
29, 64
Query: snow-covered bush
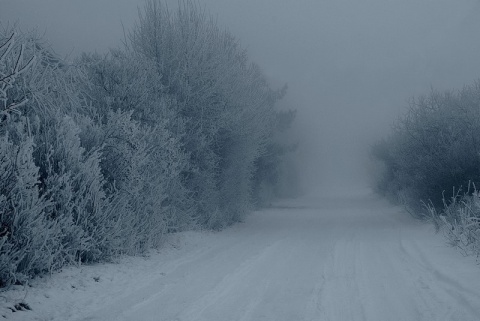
140, 135
24, 249
105, 155
433, 148
223, 100
72, 181
460, 222
21, 206
60, 214
26, 246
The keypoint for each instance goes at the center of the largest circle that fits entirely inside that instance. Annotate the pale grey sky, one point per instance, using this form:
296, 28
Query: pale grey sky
351, 65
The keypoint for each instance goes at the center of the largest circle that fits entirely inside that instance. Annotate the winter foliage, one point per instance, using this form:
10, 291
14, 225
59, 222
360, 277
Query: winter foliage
434, 149
104, 156
460, 222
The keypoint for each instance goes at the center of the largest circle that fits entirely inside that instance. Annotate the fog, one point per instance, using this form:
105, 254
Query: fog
351, 66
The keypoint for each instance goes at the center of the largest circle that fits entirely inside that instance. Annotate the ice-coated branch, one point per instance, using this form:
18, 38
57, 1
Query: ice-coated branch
8, 78
9, 44
14, 106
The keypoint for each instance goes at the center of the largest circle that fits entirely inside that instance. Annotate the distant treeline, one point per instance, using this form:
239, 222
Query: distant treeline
104, 156
431, 162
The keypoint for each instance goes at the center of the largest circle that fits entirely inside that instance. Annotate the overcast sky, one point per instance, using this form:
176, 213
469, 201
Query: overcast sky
351, 65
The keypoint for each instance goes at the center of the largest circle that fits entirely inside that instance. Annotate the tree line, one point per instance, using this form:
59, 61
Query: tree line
107, 154
431, 163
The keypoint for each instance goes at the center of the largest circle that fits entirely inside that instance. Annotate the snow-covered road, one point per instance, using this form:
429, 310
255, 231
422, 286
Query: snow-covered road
344, 257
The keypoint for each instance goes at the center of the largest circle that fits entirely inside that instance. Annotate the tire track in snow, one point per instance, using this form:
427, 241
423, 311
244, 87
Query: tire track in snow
313, 309
386, 288
146, 293
442, 287
229, 284
340, 299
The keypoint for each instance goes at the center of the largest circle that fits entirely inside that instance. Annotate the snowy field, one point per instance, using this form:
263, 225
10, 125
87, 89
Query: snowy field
346, 257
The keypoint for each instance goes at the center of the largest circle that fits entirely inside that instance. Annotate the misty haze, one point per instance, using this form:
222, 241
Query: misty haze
239, 160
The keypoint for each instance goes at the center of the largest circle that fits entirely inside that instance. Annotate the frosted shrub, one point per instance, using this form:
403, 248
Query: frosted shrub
142, 149
460, 222
137, 181
74, 184
224, 102
433, 148
24, 248
69, 176
54, 211
105, 155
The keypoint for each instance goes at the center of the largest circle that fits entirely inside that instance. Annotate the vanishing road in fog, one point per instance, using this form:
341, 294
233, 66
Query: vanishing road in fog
349, 257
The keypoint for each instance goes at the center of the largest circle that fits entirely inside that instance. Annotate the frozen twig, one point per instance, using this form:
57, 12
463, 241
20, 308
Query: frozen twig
9, 77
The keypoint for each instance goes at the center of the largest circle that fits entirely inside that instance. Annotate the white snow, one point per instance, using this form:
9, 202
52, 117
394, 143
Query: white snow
346, 257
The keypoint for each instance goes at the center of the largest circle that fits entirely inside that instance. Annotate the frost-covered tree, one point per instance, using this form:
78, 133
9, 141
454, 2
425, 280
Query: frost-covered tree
223, 100
23, 248
105, 155
433, 148
64, 217
140, 136
21, 206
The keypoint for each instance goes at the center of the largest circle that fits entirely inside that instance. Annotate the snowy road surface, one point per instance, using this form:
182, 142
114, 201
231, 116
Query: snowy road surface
345, 257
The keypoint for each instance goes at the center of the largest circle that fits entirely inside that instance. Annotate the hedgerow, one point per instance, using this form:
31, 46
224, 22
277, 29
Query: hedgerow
434, 149
104, 155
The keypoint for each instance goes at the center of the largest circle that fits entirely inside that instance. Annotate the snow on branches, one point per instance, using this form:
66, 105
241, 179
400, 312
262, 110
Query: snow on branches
12, 65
